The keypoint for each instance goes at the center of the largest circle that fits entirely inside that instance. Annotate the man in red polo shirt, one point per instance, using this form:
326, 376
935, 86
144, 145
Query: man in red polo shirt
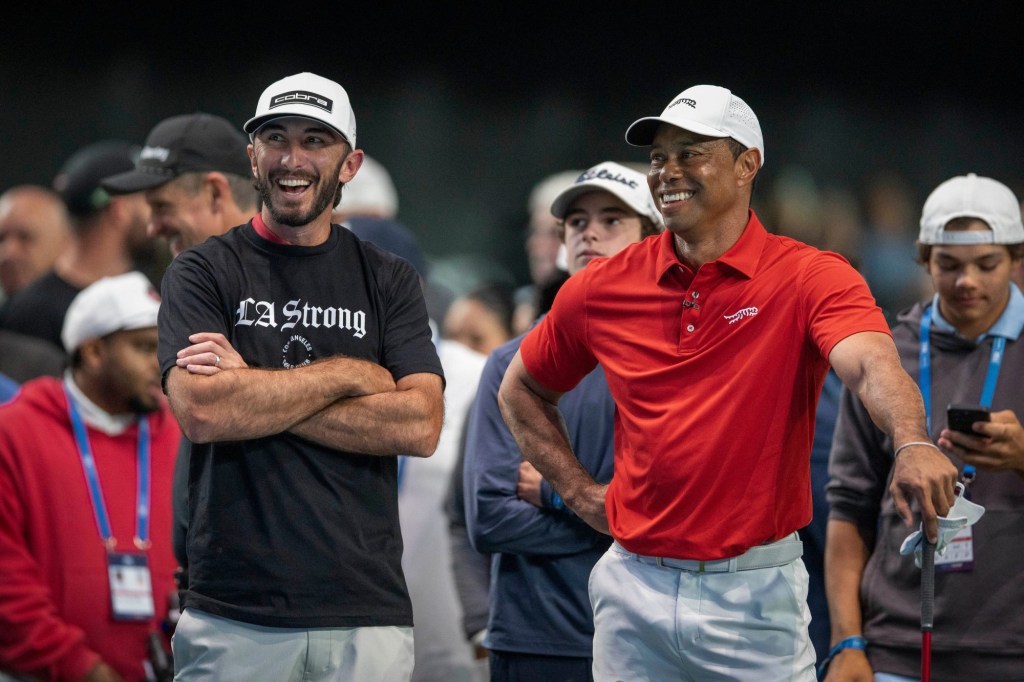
715, 339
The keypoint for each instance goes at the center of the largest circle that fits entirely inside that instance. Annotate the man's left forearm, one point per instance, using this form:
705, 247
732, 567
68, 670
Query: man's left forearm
870, 366
406, 421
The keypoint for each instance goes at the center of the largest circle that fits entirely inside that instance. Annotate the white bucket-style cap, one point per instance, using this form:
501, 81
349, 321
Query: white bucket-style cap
625, 183
706, 110
971, 196
109, 305
309, 96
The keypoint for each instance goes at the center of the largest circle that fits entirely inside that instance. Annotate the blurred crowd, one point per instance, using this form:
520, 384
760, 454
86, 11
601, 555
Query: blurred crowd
57, 241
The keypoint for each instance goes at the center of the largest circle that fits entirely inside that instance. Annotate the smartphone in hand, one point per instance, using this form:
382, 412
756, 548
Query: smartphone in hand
960, 417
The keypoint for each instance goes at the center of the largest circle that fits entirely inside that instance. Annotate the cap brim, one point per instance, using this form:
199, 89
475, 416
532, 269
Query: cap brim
135, 181
560, 206
254, 124
642, 132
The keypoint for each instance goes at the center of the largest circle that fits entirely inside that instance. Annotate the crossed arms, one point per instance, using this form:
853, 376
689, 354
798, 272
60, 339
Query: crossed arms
344, 403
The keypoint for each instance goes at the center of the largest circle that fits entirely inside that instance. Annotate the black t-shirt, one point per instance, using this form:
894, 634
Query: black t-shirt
38, 310
282, 531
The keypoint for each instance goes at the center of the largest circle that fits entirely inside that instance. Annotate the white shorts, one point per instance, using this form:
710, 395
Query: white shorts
208, 647
659, 623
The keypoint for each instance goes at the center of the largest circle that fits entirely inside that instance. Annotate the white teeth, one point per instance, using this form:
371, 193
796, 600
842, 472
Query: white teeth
294, 183
679, 196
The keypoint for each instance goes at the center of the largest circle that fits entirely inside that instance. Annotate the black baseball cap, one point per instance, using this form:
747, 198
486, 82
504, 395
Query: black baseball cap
184, 144
79, 180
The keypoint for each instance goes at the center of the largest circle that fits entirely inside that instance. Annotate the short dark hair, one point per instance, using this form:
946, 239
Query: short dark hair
738, 148
735, 147
242, 188
499, 298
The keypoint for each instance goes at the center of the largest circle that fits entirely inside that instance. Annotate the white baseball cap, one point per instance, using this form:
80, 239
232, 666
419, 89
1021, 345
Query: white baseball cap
971, 196
706, 110
309, 96
627, 184
110, 304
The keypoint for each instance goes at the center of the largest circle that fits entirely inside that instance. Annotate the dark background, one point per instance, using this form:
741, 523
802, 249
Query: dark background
468, 108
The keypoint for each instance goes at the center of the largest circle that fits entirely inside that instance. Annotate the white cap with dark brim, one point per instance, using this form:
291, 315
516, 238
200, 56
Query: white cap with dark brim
306, 95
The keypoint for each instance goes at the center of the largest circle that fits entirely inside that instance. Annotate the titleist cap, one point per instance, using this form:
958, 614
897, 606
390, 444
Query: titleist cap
309, 96
625, 183
971, 196
706, 110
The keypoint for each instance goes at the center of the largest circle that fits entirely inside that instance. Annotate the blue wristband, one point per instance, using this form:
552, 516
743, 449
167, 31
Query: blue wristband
854, 642
556, 500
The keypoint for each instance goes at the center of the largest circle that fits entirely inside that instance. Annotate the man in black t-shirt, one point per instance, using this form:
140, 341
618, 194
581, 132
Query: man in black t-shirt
298, 359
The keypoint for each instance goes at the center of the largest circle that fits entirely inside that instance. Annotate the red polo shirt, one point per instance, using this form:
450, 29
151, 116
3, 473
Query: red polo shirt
716, 376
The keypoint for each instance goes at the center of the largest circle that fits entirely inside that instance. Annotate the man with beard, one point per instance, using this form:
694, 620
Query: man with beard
299, 361
85, 478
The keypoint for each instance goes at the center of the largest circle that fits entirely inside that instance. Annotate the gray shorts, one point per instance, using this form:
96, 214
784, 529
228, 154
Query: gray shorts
208, 647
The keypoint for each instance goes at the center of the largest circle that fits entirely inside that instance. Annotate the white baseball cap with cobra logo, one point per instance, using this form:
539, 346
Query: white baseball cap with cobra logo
309, 96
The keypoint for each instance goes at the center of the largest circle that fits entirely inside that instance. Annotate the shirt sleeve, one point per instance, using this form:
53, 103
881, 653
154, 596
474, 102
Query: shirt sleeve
190, 302
497, 520
556, 352
408, 347
837, 302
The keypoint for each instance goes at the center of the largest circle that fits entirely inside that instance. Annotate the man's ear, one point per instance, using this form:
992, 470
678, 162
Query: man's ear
747, 165
351, 165
219, 190
91, 353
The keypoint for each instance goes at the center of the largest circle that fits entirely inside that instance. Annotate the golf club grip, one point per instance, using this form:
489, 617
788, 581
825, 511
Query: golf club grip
927, 585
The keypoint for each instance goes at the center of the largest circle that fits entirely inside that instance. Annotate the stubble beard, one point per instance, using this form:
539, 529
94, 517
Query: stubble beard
324, 197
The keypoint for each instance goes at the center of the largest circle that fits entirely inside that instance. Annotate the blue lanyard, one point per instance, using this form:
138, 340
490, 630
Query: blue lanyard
995, 361
92, 479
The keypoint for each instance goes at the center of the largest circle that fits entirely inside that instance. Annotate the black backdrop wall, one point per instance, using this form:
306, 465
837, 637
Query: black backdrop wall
468, 109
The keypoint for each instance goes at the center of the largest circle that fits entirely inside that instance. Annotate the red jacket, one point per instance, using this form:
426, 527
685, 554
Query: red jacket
55, 608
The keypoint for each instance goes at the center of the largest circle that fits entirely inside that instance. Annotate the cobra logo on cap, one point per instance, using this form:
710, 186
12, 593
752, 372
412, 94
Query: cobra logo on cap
302, 97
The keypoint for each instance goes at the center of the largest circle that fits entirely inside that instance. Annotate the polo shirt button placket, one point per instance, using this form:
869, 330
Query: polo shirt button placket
694, 295
690, 309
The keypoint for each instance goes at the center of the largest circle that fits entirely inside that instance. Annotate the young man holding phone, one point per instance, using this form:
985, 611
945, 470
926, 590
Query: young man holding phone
963, 348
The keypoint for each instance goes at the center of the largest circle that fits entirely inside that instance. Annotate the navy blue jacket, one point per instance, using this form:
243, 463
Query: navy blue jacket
542, 556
